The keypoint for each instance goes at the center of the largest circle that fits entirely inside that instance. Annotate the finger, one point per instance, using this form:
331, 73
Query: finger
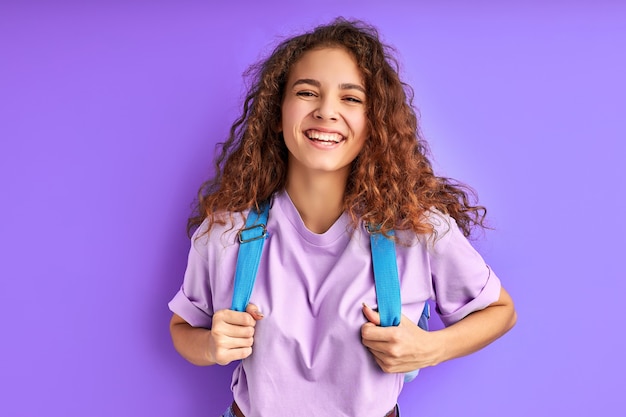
226, 345
374, 333
254, 311
227, 356
236, 318
390, 363
377, 348
384, 362
242, 353
234, 331
371, 315
387, 367
227, 337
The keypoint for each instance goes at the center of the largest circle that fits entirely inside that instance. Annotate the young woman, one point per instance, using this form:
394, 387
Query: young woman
329, 138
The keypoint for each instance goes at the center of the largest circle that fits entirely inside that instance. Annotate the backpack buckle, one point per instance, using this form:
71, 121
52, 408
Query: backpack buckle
371, 229
255, 233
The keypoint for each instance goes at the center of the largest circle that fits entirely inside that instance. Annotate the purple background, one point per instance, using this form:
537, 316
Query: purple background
109, 112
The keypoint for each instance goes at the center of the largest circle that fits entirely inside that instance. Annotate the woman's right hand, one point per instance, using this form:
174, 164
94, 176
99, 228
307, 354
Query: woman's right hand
230, 338
232, 334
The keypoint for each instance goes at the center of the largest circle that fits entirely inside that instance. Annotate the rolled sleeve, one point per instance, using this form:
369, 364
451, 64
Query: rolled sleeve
487, 295
193, 302
462, 281
189, 311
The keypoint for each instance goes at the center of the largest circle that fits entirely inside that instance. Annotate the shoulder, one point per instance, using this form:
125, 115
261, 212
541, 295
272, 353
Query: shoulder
442, 223
219, 233
444, 228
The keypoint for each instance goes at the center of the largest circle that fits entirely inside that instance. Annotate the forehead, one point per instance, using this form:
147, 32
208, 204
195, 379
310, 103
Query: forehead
330, 63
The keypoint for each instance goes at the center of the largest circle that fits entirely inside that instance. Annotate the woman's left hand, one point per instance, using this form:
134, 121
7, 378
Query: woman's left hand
401, 348
406, 347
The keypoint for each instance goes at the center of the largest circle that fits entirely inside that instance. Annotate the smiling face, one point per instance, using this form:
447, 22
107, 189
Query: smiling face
323, 120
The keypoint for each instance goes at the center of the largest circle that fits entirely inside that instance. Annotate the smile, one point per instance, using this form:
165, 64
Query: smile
327, 137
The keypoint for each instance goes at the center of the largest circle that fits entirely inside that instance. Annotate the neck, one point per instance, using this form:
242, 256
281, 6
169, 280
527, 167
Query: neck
318, 198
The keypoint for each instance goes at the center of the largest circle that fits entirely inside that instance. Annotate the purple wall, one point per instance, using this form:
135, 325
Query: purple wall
109, 112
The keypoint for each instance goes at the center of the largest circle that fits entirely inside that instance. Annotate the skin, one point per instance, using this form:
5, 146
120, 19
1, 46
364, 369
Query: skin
230, 339
407, 347
325, 93
325, 96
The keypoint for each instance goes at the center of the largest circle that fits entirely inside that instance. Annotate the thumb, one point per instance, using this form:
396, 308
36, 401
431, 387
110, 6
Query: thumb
371, 315
254, 311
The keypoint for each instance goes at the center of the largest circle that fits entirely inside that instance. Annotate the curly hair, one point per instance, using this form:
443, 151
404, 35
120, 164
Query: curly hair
391, 184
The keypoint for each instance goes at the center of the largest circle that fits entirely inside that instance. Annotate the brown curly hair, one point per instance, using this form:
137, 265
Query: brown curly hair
391, 183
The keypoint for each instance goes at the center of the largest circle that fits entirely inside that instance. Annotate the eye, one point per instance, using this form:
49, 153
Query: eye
306, 93
352, 99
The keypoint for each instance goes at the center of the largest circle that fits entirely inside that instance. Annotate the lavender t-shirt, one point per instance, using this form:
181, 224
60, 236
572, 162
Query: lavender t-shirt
307, 357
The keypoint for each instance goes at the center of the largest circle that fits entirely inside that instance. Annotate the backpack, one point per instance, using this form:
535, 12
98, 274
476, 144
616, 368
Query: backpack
251, 240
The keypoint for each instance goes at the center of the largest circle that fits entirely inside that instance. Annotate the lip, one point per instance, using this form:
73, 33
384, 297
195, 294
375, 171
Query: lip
321, 144
306, 134
323, 130
325, 146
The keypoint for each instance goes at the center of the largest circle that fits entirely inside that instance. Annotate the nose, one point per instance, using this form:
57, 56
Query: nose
326, 110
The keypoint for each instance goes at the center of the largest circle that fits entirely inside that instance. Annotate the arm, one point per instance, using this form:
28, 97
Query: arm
407, 347
230, 338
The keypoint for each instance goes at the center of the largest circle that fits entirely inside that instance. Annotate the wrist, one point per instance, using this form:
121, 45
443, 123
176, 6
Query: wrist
440, 346
208, 348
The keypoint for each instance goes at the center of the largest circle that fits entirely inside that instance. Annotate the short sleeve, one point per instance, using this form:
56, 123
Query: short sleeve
193, 302
462, 281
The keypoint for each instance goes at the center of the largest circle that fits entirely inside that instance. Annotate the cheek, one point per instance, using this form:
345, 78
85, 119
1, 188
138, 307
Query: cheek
363, 136
363, 126
290, 111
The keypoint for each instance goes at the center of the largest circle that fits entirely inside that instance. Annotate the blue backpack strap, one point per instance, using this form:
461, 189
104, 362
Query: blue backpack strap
385, 277
388, 285
251, 240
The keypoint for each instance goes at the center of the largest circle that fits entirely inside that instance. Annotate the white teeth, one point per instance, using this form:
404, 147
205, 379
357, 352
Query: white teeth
325, 137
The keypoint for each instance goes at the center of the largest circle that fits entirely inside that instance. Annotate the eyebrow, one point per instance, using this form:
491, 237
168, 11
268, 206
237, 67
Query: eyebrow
315, 83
